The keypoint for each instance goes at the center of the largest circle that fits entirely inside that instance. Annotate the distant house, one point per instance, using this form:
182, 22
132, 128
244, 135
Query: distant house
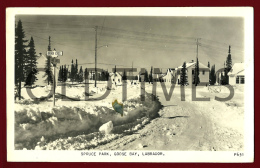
169, 76
237, 74
203, 69
41, 61
116, 78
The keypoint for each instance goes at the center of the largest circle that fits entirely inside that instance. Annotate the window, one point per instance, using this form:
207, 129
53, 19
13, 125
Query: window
192, 72
237, 80
242, 79
203, 72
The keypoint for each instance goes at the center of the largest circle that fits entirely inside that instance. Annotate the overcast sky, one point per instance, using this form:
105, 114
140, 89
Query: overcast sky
163, 42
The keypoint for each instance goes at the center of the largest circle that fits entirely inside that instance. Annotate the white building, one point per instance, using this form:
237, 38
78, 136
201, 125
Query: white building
41, 62
190, 71
169, 76
237, 74
116, 78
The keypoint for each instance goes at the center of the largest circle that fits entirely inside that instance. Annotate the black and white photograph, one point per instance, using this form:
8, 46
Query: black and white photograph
130, 84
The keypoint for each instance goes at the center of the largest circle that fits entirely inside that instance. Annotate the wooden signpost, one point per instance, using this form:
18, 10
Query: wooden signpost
54, 54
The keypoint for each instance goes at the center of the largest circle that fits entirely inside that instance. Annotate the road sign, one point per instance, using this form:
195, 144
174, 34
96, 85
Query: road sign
55, 53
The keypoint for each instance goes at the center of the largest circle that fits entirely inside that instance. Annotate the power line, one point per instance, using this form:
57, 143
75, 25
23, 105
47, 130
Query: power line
123, 31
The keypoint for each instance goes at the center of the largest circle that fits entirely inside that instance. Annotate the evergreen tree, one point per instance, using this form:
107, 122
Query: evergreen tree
72, 71
146, 77
225, 77
229, 60
80, 75
76, 75
49, 46
115, 69
107, 75
124, 76
136, 77
222, 79
30, 65
196, 79
228, 67
48, 69
65, 74
86, 74
183, 78
151, 75
62, 73
212, 76
19, 56
103, 75
60, 76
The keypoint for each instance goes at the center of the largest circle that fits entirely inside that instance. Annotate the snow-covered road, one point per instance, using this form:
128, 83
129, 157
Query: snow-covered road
187, 126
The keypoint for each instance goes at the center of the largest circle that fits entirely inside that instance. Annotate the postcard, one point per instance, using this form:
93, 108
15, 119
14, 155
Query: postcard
130, 84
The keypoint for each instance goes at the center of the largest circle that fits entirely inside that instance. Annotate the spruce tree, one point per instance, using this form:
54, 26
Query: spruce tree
49, 46
19, 56
30, 65
48, 69
229, 60
196, 79
76, 75
59, 77
124, 76
86, 74
107, 75
65, 74
212, 79
80, 75
151, 75
228, 66
72, 72
222, 79
62, 73
183, 78
146, 77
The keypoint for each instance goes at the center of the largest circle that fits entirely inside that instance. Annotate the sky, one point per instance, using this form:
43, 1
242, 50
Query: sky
144, 41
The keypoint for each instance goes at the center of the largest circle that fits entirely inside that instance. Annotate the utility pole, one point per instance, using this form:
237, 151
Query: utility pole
197, 47
54, 54
197, 60
96, 57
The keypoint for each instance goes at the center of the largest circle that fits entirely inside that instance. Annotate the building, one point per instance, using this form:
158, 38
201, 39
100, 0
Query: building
190, 71
237, 74
116, 78
41, 62
169, 77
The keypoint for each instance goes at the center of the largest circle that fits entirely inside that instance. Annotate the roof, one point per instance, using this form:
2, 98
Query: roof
237, 69
112, 73
190, 64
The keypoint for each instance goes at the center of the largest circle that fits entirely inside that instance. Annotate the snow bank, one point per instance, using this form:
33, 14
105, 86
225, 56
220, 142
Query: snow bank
33, 122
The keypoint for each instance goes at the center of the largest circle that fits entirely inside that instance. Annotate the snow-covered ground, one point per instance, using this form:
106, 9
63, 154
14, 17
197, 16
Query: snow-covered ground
179, 125
38, 122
